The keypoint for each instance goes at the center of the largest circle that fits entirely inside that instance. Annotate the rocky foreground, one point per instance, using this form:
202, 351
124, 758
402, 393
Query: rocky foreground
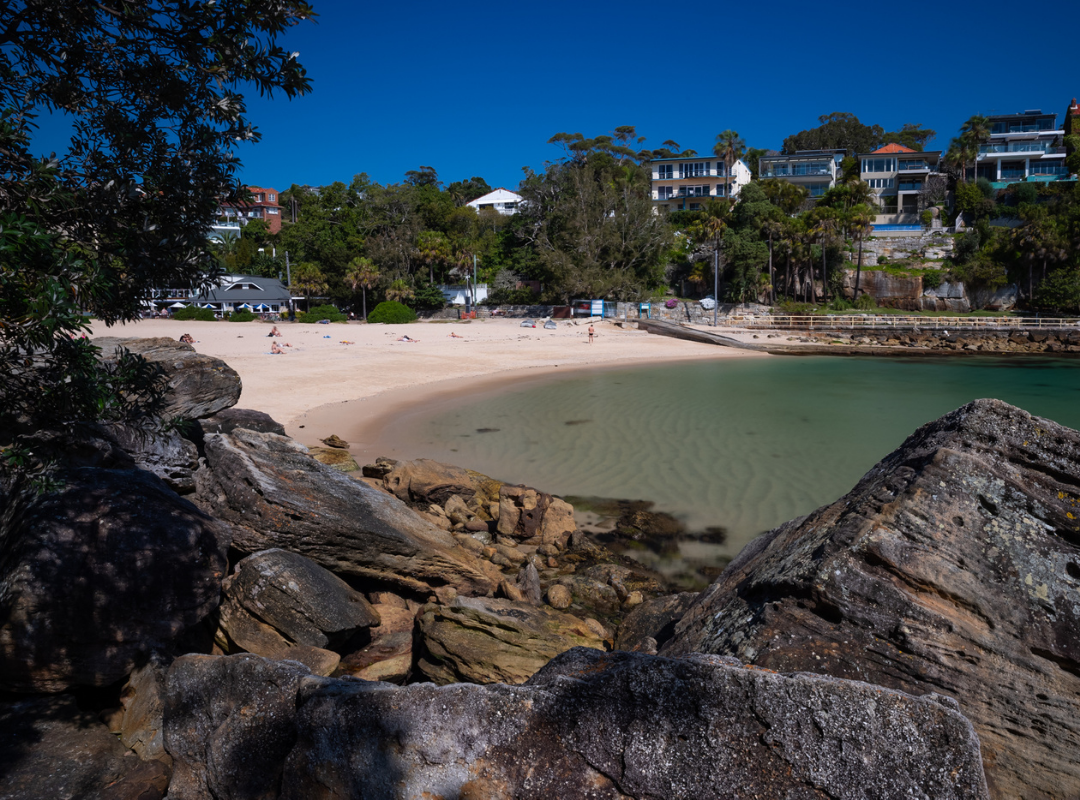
215, 613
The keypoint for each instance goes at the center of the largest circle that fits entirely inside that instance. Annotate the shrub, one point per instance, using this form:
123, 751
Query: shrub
927, 218
194, 313
865, 302
322, 312
243, 315
931, 278
392, 313
793, 309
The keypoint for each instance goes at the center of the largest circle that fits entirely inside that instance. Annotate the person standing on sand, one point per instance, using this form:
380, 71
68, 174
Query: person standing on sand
592, 332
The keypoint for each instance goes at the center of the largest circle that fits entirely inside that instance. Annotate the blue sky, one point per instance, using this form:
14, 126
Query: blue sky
478, 88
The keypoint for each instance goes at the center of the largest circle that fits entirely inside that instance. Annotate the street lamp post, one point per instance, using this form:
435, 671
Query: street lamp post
716, 285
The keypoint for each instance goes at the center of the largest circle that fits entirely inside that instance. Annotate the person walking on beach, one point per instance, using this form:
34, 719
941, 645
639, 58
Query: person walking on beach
592, 333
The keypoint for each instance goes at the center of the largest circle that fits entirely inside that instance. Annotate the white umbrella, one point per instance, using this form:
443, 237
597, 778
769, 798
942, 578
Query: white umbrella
245, 305
261, 306
178, 305
208, 305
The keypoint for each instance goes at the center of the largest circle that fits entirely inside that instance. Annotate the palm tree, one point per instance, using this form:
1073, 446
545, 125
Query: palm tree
362, 275
859, 221
730, 147
823, 229
399, 291
308, 280
973, 133
773, 228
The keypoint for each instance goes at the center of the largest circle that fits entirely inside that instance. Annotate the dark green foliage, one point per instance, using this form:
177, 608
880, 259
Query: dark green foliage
838, 130
911, 135
428, 297
151, 88
1023, 193
1060, 292
390, 312
195, 313
319, 313
931, 278
241, 316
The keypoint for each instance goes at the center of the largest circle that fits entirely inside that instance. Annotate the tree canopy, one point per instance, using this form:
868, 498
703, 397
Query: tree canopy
153, 92
843, 130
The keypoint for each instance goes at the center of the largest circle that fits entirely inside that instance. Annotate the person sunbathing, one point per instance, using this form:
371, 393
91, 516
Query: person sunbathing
276, 350
406, 338
455, 336
274, 332
187, 339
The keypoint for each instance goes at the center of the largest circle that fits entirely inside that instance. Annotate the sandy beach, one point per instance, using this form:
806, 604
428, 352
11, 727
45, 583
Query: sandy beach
345, 378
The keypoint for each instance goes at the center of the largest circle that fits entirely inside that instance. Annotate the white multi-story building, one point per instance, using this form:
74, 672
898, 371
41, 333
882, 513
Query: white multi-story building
1023, 146
685, 183
897, 175
815, 170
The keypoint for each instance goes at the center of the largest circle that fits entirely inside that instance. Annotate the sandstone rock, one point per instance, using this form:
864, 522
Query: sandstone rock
528, 581
380, 469
333, 440
164, 453
953, 566
485, 640
630, 726
229, 419
431, 481
278, 496
141, 725
335, 458
511, 591
388, 657
528, 515
99, 574
559, 597
198, 385
50, 749
654, 619
229, 723
300, 601
456, 510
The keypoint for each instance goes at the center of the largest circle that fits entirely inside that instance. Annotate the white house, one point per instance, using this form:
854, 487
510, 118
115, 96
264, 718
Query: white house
684, 183
502, 200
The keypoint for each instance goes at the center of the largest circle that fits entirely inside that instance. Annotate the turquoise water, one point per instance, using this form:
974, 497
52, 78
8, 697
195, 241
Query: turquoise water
743, 444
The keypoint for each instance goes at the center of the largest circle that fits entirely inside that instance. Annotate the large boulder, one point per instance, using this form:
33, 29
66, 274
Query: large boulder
487, 640
424, 480
282, 605
229, 723
229, 419
98, 574
620, 725
276, 495
52, 749
953, 566
198, 385
165, 453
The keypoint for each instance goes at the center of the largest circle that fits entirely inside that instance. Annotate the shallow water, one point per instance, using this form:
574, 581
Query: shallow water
744, 444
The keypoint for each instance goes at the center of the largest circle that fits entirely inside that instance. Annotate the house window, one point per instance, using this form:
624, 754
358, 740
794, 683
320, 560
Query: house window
879, 165
818, 189
273, 198
273, 211
695, 169
719, 190
664, 192
664, 172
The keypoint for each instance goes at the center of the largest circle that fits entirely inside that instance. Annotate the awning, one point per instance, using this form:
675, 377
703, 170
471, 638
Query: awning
209, 305
178, 305
262, 306
244, 305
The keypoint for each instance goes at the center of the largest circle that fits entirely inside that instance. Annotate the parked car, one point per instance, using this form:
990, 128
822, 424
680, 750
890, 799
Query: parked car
528, 323
708, 302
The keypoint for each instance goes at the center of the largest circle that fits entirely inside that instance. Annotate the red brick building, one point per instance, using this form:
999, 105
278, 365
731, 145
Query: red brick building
264, 205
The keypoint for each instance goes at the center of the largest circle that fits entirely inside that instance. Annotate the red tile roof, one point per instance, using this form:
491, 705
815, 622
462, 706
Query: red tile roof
893, 147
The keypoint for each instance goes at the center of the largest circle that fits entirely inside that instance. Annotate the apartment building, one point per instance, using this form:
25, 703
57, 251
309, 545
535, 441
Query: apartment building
1024, 146
816, 170
897, 175
263, 205
684, 184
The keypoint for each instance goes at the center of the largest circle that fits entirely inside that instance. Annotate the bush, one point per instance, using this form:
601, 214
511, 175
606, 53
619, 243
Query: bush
865, 302
927, 218
791, 308
931, 278
322, 312
194, 313
392, 313
243, 315
511, 297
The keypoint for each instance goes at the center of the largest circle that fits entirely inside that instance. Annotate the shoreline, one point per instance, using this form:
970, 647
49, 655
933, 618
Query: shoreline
342, 378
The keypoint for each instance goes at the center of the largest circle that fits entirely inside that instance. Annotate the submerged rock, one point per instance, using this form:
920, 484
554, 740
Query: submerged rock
953, 566
589, 724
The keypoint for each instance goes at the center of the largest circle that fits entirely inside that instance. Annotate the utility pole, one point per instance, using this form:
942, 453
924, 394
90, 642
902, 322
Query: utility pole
288, 275
716, 286
476, 293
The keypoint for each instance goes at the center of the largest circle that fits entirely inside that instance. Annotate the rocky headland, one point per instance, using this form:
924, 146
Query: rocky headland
220, 612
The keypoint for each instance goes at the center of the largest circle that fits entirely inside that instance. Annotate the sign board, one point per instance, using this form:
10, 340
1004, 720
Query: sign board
594, 308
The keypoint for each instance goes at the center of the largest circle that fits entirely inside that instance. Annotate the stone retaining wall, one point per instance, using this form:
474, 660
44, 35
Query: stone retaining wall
1004, 341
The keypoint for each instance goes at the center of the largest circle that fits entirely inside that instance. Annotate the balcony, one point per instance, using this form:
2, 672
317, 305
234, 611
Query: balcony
914, 166
1019, 147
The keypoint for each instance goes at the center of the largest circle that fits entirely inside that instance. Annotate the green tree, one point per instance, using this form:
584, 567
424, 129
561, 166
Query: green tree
464, 192
399, 291
730, 147
153, 90
838, 130
308, 280
362, 275
911, 135
860, 220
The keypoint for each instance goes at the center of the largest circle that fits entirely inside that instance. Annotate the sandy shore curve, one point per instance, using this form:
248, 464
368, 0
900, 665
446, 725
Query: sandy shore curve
346, 378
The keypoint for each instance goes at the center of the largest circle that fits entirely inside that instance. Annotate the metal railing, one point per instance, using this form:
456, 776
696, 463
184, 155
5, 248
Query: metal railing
890, 321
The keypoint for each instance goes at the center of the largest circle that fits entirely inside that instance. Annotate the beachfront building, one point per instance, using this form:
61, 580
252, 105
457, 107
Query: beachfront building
815, 170
233, 216
500, 200
1026, 146
232, 293
897, 175
685, 183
